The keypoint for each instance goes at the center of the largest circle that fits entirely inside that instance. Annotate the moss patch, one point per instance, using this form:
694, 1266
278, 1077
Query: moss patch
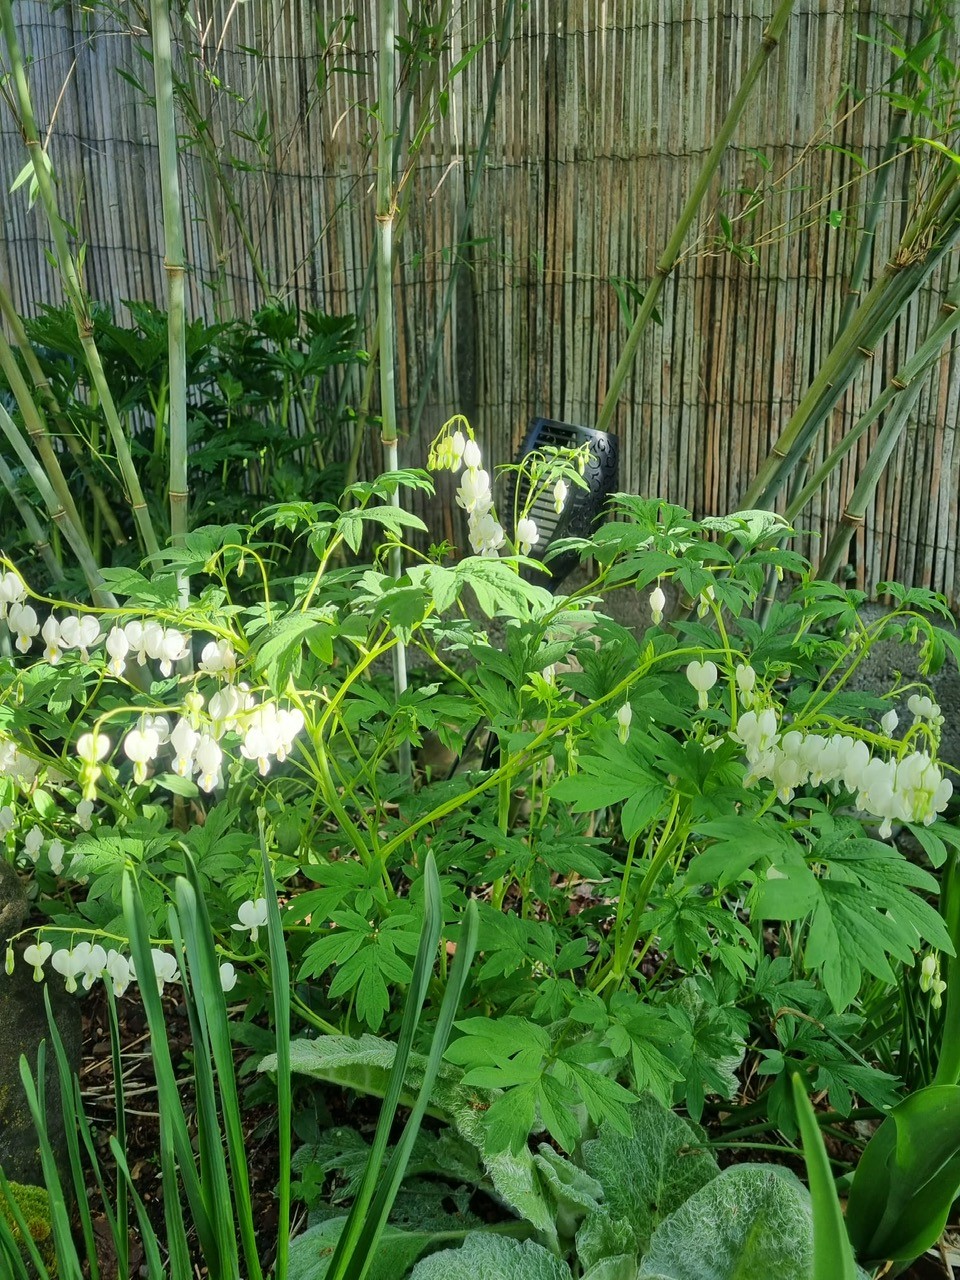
34, 1206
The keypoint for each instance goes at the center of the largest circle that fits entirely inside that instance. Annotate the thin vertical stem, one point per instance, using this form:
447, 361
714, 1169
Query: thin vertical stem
386, 209
668, 260
463, 230
173, 265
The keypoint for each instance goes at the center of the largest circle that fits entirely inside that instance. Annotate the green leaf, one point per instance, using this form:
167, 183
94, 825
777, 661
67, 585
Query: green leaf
396, 1252
751, 1221
907, 1178
647, 1175
491, 1257
748, 527
832, 1258
277, 650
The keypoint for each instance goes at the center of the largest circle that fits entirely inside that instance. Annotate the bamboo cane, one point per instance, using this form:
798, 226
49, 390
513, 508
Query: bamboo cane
913, 371
884, 302
73, 285
174, 267
907, 386
61, 520
32, 525
51, 409
401, 205
670, 255
38, 434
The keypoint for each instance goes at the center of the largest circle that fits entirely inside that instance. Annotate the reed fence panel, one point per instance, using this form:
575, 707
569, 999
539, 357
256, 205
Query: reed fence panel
606, 109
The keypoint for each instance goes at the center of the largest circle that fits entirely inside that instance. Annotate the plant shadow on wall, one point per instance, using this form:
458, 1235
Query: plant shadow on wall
681, 864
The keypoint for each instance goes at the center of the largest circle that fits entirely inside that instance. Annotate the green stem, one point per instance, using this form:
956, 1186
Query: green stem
668, 260
463, 230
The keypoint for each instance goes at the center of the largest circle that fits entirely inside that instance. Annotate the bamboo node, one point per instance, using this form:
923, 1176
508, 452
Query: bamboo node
777, 453
948, 308
849, 518
900, 385
866, 352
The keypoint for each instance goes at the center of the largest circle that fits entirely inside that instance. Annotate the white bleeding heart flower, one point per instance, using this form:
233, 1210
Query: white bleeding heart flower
560, 492
70, 964
486, 534
624, 719
184, 739
228, 977
218, 658
119, 970
141, 747
117, 646
36, 955
703, 676
657, 602
56, 854
528, 535
172, 648
207, 760
22, 622
474, 494
80, 633
32, 843
253, 916
470, 455
13, 590
53, 648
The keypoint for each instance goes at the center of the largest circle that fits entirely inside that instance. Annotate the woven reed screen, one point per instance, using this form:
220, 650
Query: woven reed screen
606, 109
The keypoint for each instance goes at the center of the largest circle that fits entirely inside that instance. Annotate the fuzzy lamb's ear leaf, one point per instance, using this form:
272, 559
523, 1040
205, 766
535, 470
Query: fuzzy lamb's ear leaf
751, 1220
648, 1175
485, 1256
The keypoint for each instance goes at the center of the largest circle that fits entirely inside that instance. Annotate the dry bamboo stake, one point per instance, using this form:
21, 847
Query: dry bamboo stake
72, 283
174, 266
668, 260
30, 522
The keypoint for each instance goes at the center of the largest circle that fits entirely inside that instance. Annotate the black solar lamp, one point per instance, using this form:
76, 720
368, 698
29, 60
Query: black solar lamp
583, 507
